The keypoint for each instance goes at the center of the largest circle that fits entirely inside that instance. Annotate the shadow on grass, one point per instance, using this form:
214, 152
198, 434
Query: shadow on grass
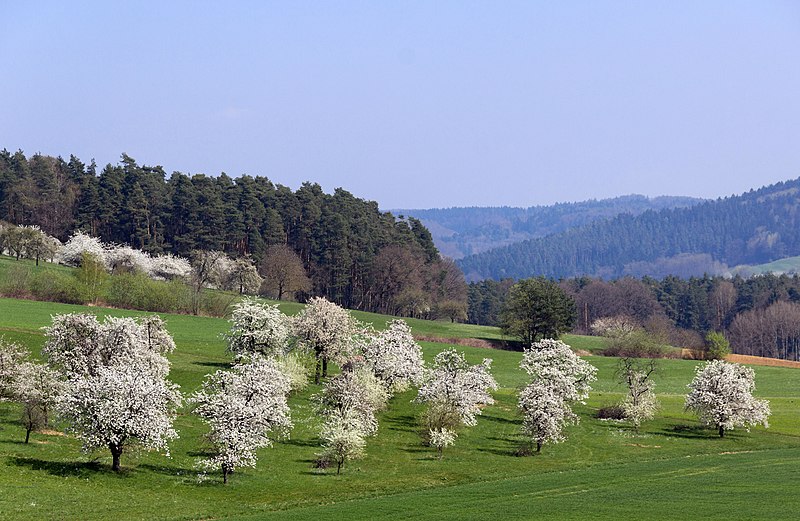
221, 365
499, 419
302, 443
407, 423
692, 432
168, 470
65, 469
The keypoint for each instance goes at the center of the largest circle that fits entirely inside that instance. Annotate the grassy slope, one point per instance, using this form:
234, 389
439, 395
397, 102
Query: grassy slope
603, 470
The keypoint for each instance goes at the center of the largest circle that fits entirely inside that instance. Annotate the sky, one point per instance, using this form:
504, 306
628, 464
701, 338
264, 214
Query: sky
416, 104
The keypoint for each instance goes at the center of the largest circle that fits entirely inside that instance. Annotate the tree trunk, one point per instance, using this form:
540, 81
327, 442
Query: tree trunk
721, 431
538, 446
339, 466
317, 371
225, 473
27, 434
325, 367
116, 452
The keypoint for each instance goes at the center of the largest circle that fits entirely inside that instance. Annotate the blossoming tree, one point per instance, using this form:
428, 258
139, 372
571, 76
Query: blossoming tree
721, 394
246, 409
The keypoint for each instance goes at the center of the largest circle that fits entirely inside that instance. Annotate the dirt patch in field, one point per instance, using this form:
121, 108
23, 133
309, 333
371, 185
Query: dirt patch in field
48, 432
471, 342
688, 354
759, 360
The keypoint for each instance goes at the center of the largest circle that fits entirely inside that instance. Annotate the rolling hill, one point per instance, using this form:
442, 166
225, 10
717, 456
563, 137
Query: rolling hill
756, 227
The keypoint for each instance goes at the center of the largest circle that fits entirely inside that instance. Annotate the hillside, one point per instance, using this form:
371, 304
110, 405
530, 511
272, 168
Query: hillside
753, 228
342, 241
603, 468
459, 232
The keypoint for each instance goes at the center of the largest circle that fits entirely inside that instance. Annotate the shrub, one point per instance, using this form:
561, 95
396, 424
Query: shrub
613, 411
54, 286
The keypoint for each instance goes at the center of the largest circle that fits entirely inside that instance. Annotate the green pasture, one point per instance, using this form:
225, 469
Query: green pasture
672, 469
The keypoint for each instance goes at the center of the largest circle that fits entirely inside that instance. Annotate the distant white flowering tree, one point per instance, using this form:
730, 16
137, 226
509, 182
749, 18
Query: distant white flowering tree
640, 403
209, 269
11, 357
395, 357
327, 330
558, 377
614, 327
28, 241
169, 267
116, 392
721, 394
258, 328
122, 258
454, 392
246, 409
37, 388
71, 253
242, 276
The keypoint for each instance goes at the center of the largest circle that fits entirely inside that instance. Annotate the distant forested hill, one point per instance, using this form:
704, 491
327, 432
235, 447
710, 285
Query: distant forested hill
459, 232
347, 246
756, 227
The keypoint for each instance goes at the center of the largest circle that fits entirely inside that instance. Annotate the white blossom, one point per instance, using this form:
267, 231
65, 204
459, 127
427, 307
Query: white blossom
327, 330
78, 344
453, 384
169, 267
545, 413
441, 438
119, 405
246, 409
554, 362
352, 396
342, 440
126, 259
640, 403
722, 396
12, 356
558, 377
618, 326
37, 388
71, 253
395, 357
258, 328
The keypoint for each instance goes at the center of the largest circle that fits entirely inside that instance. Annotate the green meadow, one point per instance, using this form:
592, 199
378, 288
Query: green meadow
672, 469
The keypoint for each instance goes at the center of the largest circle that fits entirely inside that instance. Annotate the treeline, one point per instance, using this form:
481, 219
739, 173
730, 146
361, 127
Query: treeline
349, 249
753, 228
459, 232
759, 315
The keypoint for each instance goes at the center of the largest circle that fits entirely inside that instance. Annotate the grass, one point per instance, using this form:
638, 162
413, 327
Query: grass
604, 470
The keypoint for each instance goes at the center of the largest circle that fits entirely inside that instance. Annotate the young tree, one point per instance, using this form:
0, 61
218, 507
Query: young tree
243, 277
537, 308
544, 414
640, 403
327, 330
559, 377
258, 328
209, 268
721, 394
246, 409
36, 244
12, 356
37, 388
454, 392
348, 404
395, 357
717, 346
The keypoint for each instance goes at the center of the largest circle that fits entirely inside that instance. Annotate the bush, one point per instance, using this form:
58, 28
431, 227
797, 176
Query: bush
53, 286
137, 291
15, 282
611, 412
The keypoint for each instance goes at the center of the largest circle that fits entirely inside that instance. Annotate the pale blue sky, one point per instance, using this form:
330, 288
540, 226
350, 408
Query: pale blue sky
416, 104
